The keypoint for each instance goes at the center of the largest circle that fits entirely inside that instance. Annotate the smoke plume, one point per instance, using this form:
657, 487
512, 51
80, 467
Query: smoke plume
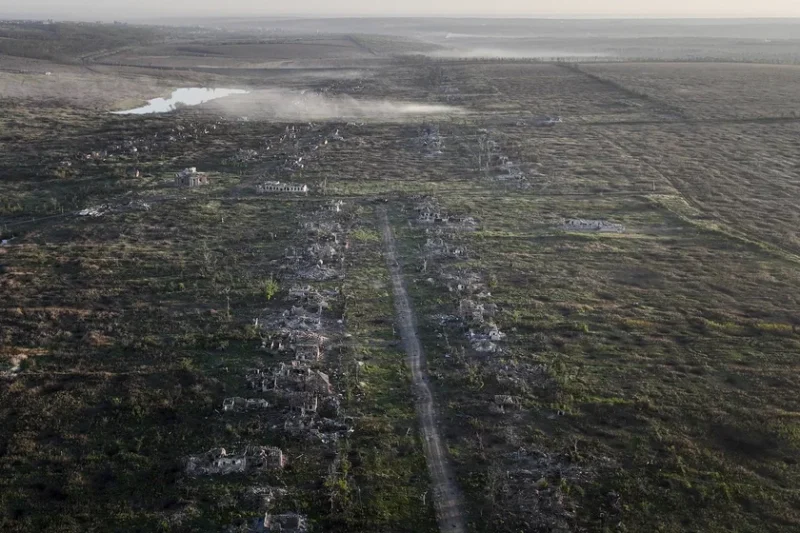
300, 106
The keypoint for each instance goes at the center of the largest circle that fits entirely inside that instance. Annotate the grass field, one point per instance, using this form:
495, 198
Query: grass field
646, 378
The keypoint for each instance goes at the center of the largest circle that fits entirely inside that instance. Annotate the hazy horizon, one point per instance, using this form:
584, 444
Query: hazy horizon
659, 9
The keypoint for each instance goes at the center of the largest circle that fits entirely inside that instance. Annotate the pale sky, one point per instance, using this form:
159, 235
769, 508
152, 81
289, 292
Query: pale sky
102, 9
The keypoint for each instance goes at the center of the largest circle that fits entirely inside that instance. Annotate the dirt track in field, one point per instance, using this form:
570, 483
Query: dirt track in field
446, 496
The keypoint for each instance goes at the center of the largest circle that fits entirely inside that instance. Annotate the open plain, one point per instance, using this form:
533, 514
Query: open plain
409, 287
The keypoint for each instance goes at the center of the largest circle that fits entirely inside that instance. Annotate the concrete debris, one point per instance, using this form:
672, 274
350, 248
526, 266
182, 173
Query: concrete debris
262, 497
277, 186
293, 377
471, 311
330, 407
281, 523
546, 507
189, 177
242, 404
253, 459
485, 341
504, 400
431, 141
322, 229
483, 346
523, 378
437, 247
430, 217
104, 209
547, 121
321, 251
316, 428
242, 156
463, 282
306, 345
318, 273
96, 211
300, 402
139, 205
580, 224
443, 319
494, 334
296, 319
311, 299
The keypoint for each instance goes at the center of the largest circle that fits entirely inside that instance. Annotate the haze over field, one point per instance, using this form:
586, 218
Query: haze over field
91, 9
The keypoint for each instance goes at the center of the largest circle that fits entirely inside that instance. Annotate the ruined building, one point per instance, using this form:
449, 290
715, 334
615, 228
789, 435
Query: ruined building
218, 462
242, 404
189, 177
282, 523
277, 186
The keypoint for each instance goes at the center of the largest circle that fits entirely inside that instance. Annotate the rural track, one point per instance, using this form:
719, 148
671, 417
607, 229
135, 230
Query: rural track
446, 496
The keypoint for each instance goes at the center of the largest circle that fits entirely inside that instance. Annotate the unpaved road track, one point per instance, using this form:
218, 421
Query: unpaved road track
446, 497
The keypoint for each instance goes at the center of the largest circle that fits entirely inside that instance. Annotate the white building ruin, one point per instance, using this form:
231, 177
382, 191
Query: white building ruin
244, 404
189, 177
581, 224
277, 186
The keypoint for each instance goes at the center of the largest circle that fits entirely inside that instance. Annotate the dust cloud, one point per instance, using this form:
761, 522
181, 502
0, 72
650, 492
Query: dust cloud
512, 53
301, 106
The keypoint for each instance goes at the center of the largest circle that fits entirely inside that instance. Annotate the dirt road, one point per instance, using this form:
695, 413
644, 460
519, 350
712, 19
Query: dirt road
446, 497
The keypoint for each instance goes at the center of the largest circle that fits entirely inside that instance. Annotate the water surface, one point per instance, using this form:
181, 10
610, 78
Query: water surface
185, 96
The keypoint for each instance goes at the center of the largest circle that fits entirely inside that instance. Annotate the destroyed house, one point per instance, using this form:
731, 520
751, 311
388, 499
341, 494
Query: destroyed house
547, 121
304, 402
307, 352
277, 186
593, 225
308, 346
244, 404
282, 523
318, 382
431, 216
262, 458
189, 177
470, 311
218, 462
299, 378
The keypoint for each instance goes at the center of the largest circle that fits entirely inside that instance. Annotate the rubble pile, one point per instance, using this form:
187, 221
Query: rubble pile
322, 256
523, 378
496, 164
580, 224
475, 313
242, 156
104, 209
430, 141
154, 143
252, 459
547, 121
464, 282
300, 145
242, 404
452, 94
280, 523
298, 387
531, 487
294, 394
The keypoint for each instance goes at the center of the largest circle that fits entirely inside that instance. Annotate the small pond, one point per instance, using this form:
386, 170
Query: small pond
185, 96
